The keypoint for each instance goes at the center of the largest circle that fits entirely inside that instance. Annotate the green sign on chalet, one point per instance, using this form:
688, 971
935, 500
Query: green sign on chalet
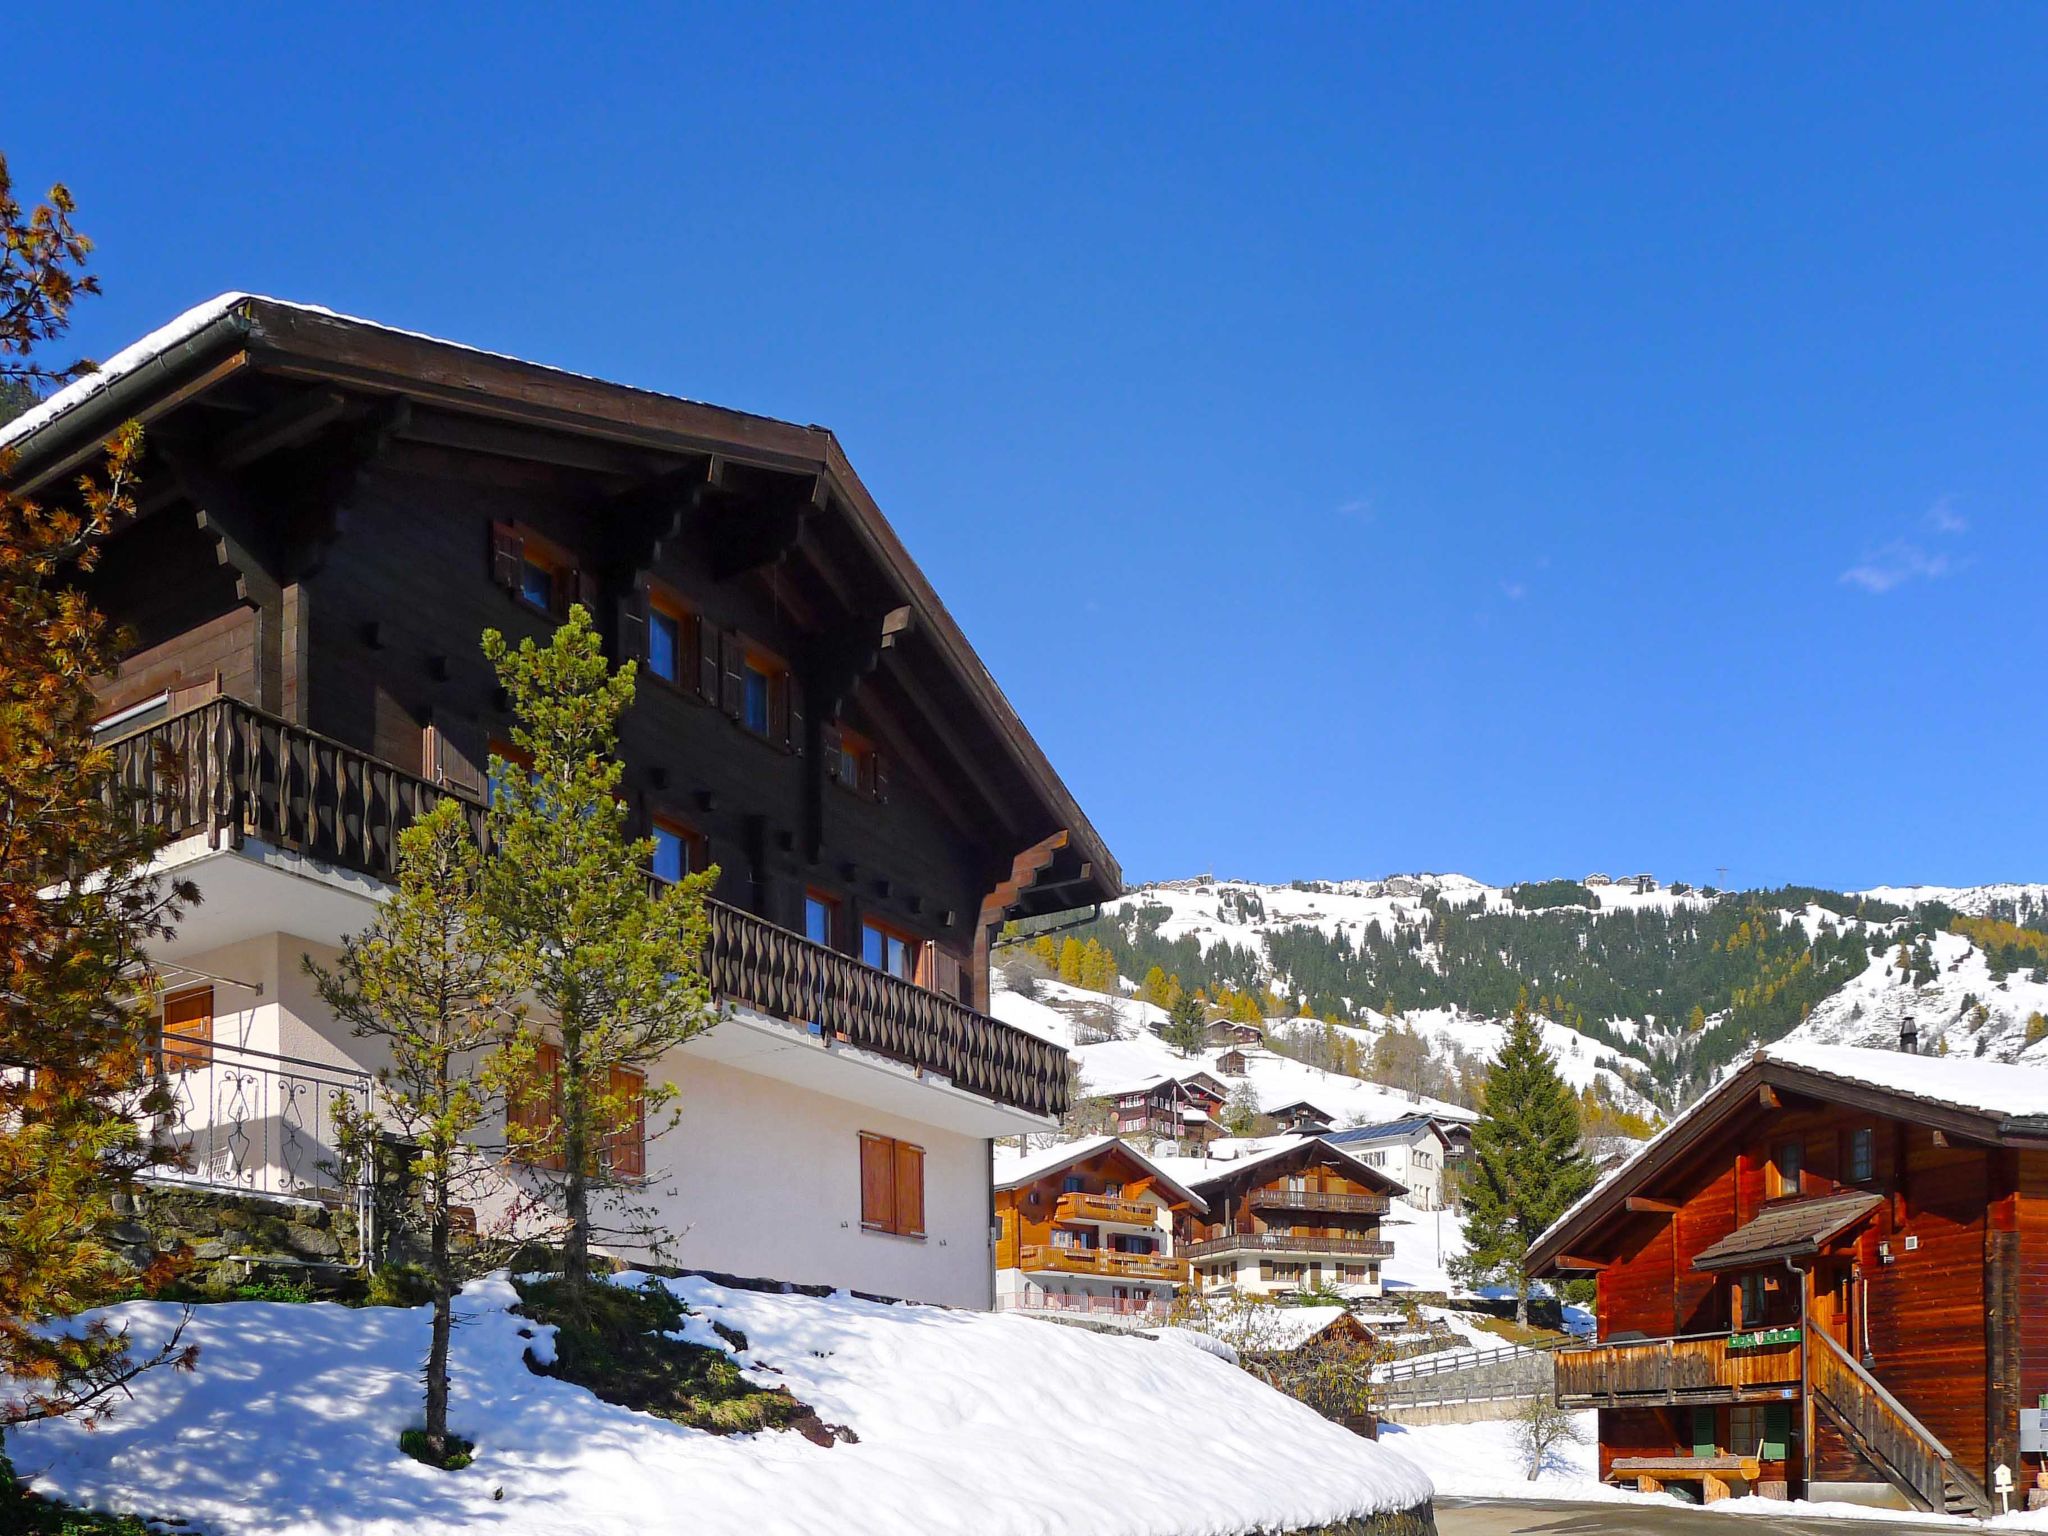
1762, 1337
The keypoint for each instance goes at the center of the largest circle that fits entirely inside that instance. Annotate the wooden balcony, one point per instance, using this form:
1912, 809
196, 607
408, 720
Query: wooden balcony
1103, 1263
1702, 1368
1318, 1200
232, 773
1286, 1243
1074, 1205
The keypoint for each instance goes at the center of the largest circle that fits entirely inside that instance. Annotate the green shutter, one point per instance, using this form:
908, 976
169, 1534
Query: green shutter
1777, 1431
1703, 1432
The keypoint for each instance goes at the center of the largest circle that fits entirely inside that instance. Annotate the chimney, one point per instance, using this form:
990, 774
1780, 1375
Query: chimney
1909, 1036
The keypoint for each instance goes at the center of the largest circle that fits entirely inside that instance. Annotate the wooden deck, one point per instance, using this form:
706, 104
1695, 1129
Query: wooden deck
1702, 1368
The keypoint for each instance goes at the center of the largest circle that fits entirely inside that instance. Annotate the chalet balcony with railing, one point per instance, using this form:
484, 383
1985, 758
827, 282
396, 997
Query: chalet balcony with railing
1759, 1366
1318, 1200
1102, 1263
1287, 1243
1104, 1210
246, 780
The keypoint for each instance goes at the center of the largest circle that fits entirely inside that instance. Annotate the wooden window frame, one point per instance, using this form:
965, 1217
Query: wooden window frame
867, 779
517, 756
835, 916
922, 947
890, 1171
515, 546
696, 846
1778, 1185
1863, 1141
689, 623
194, 1052
773, 671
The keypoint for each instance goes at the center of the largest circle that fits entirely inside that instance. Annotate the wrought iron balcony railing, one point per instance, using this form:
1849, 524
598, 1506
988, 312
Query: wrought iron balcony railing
233, 773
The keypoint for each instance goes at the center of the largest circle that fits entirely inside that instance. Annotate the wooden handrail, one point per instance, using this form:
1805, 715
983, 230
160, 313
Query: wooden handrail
1318, 1200
231, 772
1285, 1242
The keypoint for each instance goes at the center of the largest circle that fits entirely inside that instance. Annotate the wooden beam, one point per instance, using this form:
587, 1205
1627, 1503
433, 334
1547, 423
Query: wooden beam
1644, 1204
938, 724
1574, 1261
1767, 1097
290, 423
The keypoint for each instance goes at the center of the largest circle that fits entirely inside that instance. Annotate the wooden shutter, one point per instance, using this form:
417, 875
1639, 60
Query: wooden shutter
633, 626
1703, 1432
626, 1145
533, 1105
878, 774
583, 588
1777, 1433
188, 1030
709, 645
508, 553
454, 752
828, 743
793, 712
909, 1190
877, 1183
946, 973
732, 647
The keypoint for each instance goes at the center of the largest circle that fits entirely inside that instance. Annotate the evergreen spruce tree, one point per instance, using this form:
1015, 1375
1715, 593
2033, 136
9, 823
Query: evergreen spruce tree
1528, 1164
434, 979
1186, 1029
614, 971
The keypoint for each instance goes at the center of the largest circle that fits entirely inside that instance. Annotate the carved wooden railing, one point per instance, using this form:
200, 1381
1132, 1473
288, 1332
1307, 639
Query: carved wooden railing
1078, 1205
1287, 1242
1318, 1200
1879, 1425
1698, 1368
231, 772
1104, 1262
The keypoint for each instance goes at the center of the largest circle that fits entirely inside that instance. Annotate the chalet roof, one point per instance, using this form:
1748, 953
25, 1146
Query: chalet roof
1997, 1103
1014, 1170
1788, 1230
508, 401
1204, 1174
1390, 1130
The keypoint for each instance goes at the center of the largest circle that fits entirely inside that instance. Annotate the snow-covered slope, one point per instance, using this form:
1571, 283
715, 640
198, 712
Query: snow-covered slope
1871, 1008
988, 1423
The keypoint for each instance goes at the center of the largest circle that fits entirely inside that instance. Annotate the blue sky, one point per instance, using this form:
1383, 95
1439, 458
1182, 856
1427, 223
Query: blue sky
1515, 440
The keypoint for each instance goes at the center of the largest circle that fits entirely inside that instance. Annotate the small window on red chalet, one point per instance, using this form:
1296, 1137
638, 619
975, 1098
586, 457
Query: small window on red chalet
187, 1030
891, 1186
537, 571
1788, 1163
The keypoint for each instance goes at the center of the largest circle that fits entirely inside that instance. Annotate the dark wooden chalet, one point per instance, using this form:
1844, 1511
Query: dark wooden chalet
1297, 1217
1829, 1278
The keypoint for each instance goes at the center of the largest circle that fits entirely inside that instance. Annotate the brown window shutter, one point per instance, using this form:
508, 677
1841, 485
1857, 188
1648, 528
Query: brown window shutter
633, 625
828, 742
708, 646
187, 1028
584, 588
508, 552
455, 752
945, 972
733, 670
878, 774
793, 712
626, 1146
539, 1104
909, 1189
877, 1182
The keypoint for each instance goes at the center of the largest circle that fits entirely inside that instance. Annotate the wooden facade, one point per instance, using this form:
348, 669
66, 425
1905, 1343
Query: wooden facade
1304, 1217
333, 512
1091, 1232
1845, 1279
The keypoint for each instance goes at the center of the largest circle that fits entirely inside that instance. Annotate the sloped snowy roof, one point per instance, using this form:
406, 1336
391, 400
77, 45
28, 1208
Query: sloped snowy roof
1391, 1130
2004, 1094
1199, 1172
1014, 1168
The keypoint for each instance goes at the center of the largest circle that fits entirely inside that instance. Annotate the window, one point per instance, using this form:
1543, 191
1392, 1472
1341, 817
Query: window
678, 851
854, 763
1760, 1430
506, 760
1787, 1165
1862, 1159
540, 581
761, 680
821, 918
539, 573
533, 1111
664, 645
892, 950
891, 1186
624, 1148
1751, 1299
187, 1029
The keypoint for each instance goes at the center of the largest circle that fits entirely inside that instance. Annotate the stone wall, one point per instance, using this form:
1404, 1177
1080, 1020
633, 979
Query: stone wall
228, 1235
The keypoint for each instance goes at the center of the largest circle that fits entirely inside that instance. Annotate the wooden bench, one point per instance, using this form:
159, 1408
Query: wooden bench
1719, 1477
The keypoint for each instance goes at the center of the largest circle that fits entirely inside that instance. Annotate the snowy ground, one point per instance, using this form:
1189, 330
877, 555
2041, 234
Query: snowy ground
967, 1422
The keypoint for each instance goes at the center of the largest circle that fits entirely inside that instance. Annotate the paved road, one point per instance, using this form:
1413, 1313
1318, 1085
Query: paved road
1508, 1517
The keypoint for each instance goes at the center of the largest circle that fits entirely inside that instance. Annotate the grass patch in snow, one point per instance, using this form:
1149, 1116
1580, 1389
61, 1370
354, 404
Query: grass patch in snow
622, 1346
460, 1452
1527, 1334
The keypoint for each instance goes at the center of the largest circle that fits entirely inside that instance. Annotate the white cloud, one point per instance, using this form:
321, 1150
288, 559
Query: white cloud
1513, 591
1894, 565
1943, 517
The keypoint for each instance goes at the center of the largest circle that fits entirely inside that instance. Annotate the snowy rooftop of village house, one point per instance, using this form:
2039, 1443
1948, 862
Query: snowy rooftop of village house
981, 1422
2008, 1090
1229, 1155
1013, 1167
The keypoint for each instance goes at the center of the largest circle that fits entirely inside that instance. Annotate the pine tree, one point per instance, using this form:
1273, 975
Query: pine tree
1186, 1030
1528, 1164
434, 980
75, 987
614, 970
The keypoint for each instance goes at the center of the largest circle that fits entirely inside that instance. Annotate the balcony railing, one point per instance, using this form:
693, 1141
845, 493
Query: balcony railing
1287, 1242
1699, 1368
1076, 1205
1105, 1263
252, 1121
1318, 1200
1128, 1310
231, 772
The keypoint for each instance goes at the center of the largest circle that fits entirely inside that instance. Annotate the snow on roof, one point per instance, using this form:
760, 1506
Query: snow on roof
1013, 1168
1959, 1082
1230, 1158
1291, 1327
138, 354
967, 1422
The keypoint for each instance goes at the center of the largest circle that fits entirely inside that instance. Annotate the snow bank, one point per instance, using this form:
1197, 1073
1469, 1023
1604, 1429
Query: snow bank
1000, 1425
1482, 1461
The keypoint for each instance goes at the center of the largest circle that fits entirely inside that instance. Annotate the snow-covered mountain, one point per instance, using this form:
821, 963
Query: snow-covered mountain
1637, 981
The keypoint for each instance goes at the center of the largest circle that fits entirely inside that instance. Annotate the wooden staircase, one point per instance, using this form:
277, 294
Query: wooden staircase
1886, 1435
